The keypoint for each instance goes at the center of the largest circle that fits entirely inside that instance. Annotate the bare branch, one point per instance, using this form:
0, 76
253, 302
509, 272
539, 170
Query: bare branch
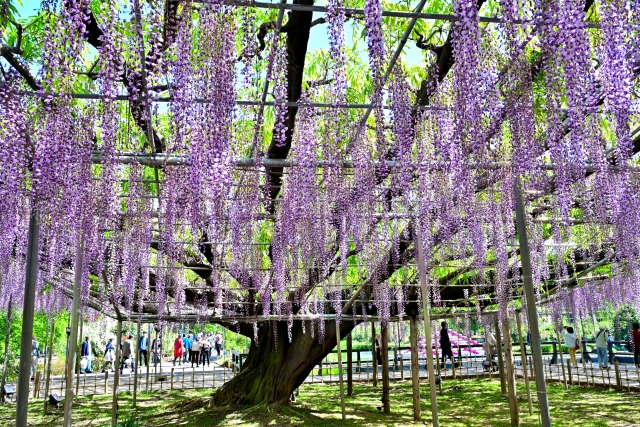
318, 21
17, 64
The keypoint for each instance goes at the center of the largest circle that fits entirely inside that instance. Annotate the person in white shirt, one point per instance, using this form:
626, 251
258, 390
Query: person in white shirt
570, 341
195, 349
491, 347
35, 354
601, 347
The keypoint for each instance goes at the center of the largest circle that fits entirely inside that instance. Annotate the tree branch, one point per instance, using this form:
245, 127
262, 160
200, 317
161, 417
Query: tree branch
7, 53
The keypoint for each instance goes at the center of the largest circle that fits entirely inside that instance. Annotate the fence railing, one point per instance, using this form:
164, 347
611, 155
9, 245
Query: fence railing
623, 374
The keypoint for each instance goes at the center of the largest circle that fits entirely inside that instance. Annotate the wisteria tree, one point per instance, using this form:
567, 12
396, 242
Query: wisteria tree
214, 165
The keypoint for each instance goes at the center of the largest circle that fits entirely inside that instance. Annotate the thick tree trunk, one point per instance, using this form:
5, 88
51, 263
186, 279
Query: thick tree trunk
275, 367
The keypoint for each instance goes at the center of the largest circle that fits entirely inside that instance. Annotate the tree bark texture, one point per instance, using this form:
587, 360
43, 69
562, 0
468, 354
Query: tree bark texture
275, 367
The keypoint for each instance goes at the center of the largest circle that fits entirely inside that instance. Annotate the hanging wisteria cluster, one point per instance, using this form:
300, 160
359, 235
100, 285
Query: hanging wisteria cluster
173, 219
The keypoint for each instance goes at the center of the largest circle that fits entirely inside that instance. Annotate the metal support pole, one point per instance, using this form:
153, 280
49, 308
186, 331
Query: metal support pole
46, 343
116, 377
532, 312
384, 344
73, 338
77, 361
415, 378
344, 415
48, 372
135, 371
374, 354
349, 365
10, 310
27, 318
147, 359
511, 374
503, 380
399, 352
564, 374
523, 357
422, 270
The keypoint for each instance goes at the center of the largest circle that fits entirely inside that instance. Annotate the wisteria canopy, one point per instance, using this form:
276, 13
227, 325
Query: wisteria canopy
269, 165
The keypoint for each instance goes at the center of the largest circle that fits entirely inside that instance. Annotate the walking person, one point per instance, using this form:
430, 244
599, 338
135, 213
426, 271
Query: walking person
156, 350
143, 350
35, 354
87, 355
109, 356
572, 344
635, 335
445, 343
178, 348
127, 354
204, 350
218, 342
491, 347
601, 347
195, 351
186, 346
379, 349
212, 342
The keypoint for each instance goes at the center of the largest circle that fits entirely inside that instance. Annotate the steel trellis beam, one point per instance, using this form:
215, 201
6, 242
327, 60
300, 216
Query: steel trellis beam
385, 13
265, 88
392, 63
162, 159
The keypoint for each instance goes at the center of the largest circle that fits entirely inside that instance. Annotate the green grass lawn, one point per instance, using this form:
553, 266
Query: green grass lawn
463, 403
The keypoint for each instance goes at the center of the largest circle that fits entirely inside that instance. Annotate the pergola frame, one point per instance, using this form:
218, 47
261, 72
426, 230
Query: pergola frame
157, 160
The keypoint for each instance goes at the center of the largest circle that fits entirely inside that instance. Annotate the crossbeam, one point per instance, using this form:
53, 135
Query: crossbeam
385, 13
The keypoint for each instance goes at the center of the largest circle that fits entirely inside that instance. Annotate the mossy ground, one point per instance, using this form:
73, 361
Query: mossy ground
463, 403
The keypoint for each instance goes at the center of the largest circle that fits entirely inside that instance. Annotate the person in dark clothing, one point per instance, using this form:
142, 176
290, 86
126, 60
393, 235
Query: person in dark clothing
86, 353
156, 350
379, 349
143, 350
445, 343
379, 359
636, 343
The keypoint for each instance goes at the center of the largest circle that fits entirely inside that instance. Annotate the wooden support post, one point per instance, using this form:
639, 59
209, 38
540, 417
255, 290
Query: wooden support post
511, 373
415, 379
73, 338
106, 380
503, 382
344, 415
147, 359
36, 385
422, 272
79, 357
137, 367
564, 374
616, 366
48, 374
374, 354
29, 300
214, 376
532, 313
487, 352
523, 358
437, 364
385, 368
116, 377
399, 354
349, 365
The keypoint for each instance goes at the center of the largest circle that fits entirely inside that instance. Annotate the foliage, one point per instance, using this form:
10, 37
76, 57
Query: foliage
40, 324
